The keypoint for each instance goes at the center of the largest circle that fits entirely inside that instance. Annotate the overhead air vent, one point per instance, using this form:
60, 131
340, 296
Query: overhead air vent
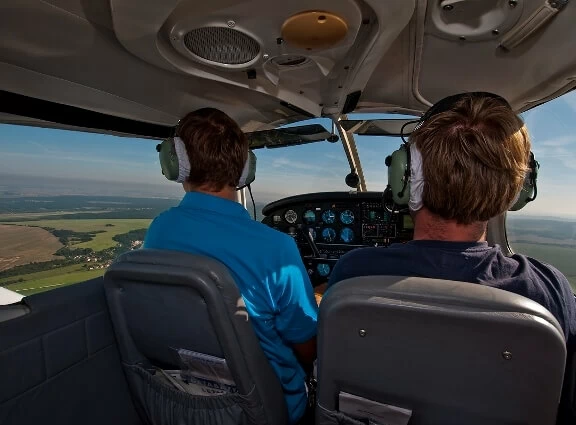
221, 45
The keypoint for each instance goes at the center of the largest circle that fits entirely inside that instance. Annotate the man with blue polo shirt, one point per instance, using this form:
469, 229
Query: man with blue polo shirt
265, 263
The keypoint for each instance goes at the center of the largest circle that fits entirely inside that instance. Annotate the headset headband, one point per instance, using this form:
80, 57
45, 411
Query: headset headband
448, 102
175, 164
403, 171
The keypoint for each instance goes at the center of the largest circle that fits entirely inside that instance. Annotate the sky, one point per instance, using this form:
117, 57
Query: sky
37, 160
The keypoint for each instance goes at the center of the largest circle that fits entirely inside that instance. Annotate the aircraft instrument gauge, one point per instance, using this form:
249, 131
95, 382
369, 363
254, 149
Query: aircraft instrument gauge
347, 217
328, 217
291, 216
347, 235
309, 217
323, 269
328, 234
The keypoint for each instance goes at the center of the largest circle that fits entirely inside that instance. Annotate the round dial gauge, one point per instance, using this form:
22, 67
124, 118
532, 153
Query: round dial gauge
347, 217
291, 216
323, 269
347, 235
328, 234
328, 216
309, 217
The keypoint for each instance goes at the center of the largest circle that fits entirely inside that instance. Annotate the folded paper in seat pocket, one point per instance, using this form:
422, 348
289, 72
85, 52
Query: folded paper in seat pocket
376, 413
201, 374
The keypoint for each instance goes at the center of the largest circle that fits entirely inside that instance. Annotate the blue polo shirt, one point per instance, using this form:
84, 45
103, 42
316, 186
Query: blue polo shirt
268, 271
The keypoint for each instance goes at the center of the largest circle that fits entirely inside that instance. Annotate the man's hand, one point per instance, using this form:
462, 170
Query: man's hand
319, 292
306, 354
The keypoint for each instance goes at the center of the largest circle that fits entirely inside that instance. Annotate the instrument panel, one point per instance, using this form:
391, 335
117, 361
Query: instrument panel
327, 225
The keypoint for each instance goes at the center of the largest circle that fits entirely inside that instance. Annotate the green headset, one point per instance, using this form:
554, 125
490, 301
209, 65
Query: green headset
399, 162
175, 164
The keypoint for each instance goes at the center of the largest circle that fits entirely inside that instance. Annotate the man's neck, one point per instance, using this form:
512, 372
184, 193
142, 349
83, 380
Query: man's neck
429, 226
227, 192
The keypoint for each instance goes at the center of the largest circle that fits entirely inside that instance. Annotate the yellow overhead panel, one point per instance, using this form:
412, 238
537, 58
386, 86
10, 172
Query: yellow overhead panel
314, 30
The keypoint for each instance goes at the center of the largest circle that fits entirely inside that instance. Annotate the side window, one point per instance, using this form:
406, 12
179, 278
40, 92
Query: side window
70, 202
546, 228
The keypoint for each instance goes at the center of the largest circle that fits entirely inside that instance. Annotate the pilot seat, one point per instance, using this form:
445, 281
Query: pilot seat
186, 342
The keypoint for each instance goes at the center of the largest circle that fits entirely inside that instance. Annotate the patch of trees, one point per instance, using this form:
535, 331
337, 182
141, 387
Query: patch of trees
148, 213
126, 239
10, 282
36, 267
25, 204
67, 236
73, 252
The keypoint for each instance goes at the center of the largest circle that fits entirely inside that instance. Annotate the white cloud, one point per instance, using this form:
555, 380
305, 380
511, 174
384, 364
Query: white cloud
291, 164
557, 150
558, 141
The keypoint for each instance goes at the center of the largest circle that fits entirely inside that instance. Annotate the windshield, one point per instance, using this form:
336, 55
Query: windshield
546, 228
322, 166
373, 151
293, 170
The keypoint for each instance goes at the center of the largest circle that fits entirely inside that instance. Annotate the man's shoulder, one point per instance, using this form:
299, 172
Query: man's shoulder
165, 218
540, 269
363, 262
370, 253
360, 254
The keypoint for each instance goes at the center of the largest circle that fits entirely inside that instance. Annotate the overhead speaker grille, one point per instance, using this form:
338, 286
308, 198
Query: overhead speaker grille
222, 45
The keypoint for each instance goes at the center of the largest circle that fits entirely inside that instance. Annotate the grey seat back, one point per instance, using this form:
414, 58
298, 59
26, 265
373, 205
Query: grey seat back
447, 352
568, 405
164, 301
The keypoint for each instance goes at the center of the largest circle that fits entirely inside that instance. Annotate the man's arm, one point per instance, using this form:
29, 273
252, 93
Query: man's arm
296, 308
306, 354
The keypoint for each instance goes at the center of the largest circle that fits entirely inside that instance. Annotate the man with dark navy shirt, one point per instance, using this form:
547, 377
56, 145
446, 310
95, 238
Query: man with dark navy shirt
468, 161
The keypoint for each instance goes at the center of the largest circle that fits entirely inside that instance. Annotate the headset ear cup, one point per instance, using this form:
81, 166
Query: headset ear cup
529, 188
249, 171
397, 166
168, 159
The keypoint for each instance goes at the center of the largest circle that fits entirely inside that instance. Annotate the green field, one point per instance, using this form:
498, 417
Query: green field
35, 282
563, 258
51, 279
101, 240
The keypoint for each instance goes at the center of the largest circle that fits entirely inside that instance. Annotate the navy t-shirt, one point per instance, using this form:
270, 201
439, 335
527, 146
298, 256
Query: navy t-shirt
475, 262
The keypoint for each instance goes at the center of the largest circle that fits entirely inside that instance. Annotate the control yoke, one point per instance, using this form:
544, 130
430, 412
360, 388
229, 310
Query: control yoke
308, 237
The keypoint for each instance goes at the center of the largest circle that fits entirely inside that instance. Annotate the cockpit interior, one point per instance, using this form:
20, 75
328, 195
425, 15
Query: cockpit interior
95, 329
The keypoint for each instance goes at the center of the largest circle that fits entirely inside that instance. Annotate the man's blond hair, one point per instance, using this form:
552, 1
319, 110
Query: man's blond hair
475, 157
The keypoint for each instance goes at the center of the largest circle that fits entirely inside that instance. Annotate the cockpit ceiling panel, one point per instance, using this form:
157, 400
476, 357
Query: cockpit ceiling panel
119, 57
65, 58
428, 63
538, 67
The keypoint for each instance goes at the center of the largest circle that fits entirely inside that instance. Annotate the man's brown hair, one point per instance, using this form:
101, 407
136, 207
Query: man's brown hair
216, 146
474, 158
